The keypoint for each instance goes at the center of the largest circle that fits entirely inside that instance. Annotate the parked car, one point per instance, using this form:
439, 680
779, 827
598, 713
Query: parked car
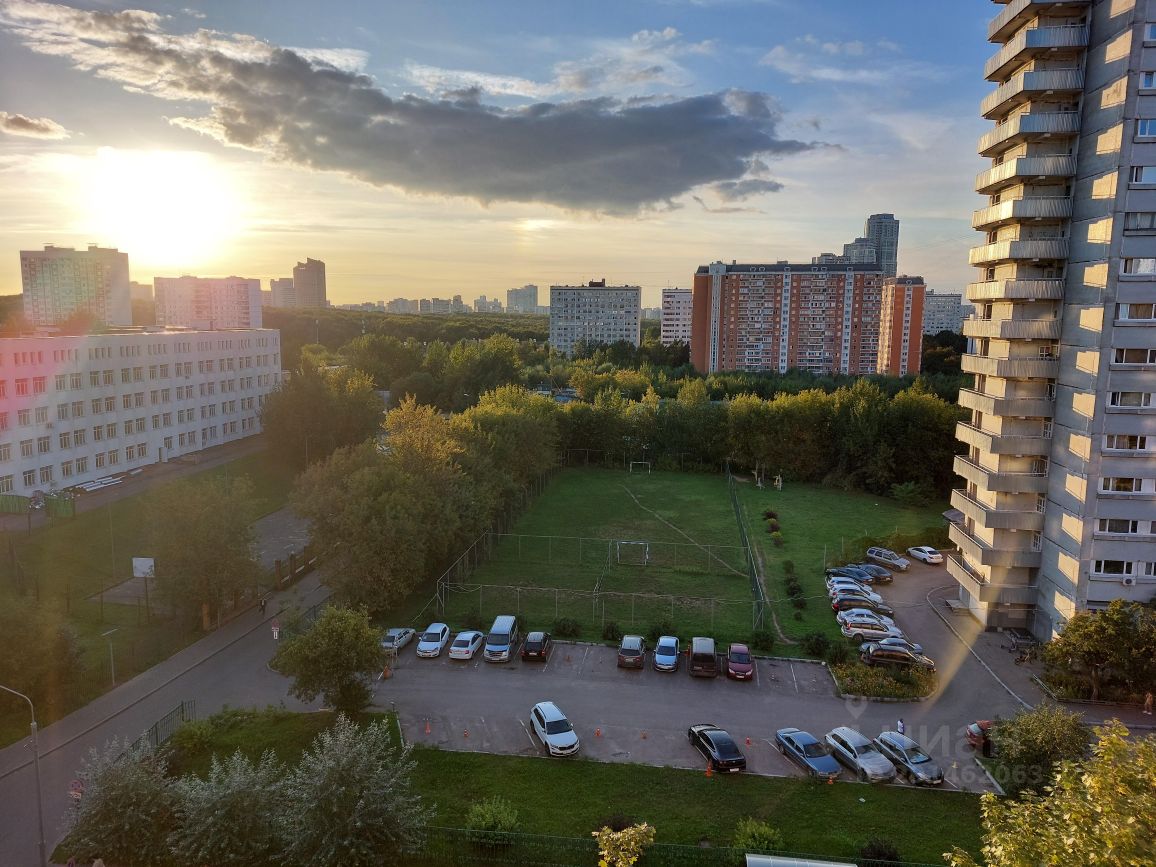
717, 747
740, 666
553, 729
881, 575
894, 642
503, 638
925, 554
433, 640
843, 581
808, 752
466, 644
887, 557
868, 630
900, 657
843, 601
855, 589
537, 645
863, 614
850, 572
397, 638
666, 654
979, 735
860, 755
632, 652
909, 759
703, 662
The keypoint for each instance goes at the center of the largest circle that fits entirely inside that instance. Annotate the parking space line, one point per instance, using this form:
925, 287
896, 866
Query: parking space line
758, 682
529, 737
795, 679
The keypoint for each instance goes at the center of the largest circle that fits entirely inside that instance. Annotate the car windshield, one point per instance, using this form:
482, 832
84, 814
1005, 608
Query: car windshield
742, 658
814, 751
558, 727
917, 757
930, 551
498, 638
665, 649
462, 642
432, 636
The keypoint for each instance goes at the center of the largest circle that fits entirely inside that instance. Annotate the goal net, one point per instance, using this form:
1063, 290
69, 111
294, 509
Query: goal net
643, 466
633, 553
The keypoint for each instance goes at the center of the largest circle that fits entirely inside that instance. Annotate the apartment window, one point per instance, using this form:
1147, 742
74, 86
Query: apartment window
62, 382
94, 378
46, 475
29, 478
1125, 442
1146, 127
22, 386
1130, 399
1117, 485
110, 404
5, 484
66, 469
1133, 356
1150, 32
42, 415
1136, 311
129, 452
1141, 267
27, 448
3, 421
62, 412
44, 445
99, 460
110, 430
114, 457
126, 374
39, 384
108, 377
24, 417
5, 451
66, 440
97, 433
1144, 174
1140, 221
126, 401
79, 437
1147, 80
1118, 526
1113, 567
82, 465
75, 381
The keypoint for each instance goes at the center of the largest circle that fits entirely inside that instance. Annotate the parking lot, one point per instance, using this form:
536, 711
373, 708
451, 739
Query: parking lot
642, 716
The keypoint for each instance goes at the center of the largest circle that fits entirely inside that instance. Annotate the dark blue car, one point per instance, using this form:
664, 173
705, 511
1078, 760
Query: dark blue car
809, 753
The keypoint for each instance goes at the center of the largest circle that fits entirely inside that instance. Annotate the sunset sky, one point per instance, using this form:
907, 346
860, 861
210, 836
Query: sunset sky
426, 148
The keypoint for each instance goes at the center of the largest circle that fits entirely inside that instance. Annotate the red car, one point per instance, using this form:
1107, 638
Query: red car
978, 735
632, 652
740, 666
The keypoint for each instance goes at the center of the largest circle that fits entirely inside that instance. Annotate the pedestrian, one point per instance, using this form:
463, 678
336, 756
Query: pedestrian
262, 603
901, 726
1148, 703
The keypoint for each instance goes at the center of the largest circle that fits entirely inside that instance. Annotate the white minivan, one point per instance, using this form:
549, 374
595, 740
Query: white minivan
502, 640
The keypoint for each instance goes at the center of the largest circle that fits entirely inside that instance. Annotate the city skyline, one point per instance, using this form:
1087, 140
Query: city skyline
815, 119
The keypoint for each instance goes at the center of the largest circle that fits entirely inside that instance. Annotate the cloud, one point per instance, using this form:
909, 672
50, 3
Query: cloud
601, 154
736, 191
32, 127
809, 59
726, 209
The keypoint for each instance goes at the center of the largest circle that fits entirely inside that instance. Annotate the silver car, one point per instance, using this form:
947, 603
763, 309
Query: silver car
553, 729
910, 759
859, 753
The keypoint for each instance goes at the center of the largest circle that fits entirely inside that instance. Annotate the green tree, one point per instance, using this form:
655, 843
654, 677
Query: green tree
1099, 812
202, 539
1115, 644
1033, 742
351, 801
335, 658
232, 816
384, 357
39, 652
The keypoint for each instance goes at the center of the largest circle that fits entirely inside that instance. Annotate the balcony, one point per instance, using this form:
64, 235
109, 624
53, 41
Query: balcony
1032, 43
1011, 368
1027, 86
1021, 169
1016, 290
985, 592
1019, 12
1033, 249
1015, 210
997, 519
1035, 126
1012, 329
1028, 407
1003, 444
985, 555
1004, 482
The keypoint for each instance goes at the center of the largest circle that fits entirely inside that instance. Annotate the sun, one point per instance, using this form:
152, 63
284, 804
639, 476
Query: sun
172, 210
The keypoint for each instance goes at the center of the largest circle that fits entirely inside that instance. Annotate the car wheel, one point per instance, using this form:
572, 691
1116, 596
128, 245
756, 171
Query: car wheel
862, 776
782, 749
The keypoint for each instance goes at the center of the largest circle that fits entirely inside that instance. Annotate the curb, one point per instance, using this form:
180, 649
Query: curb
998, 788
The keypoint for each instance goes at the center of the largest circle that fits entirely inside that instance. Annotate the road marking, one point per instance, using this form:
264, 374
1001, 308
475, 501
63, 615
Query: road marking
528, 735
758, 682
795, 679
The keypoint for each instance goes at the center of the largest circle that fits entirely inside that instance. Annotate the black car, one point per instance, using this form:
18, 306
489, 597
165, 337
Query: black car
846, 601
909, 759
881, 575
717, 747
809, 753
851, 572
903, 657
537, 646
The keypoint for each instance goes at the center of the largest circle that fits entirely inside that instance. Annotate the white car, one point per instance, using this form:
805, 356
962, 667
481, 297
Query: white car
926, 554
855, 589
466, 644
397, 638
862, 614
553, 729
433, 640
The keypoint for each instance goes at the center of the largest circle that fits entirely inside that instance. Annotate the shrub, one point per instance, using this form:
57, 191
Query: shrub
770, 514
657, 630
794, 588
777, 538
567, 627
878, 852
611, 632
490, 820
774, 525
751, 835
854, 678
763, 639
799, 602
195, 736
789, 567
837, 653
815, 643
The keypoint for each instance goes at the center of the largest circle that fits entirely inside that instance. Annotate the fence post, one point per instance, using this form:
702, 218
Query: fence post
632, 598
579, 550
555, 603
712, 615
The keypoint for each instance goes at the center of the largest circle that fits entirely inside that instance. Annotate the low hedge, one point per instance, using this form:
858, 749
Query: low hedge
855, 678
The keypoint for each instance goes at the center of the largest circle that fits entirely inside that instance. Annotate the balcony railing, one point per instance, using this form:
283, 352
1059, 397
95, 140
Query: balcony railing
1011, 368
997, 519
1013, 171
1013, 329
1029, 126
1030, 208
1027, 84
1009, 251
1016, 290
1018, 12
986, 555
1004, 482
1003, 444
1028, 43
986, 592
1032, 407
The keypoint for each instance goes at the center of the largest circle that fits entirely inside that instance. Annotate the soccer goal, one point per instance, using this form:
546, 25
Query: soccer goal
642, 465
633, 553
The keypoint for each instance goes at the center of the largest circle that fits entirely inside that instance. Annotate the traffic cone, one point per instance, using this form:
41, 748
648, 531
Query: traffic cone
709, 770
427, 726
465, 733
748, 742
597, 733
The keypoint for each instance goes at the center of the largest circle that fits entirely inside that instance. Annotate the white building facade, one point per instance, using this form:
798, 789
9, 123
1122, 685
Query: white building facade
76, 409
943, 311
677, 307
522, 300
595, 314
208, 302
60, 282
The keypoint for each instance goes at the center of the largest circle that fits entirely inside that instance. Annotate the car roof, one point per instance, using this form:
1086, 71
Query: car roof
550, 711
536, 636
667, 639
901, 741
468, 634
434, 627
397, 630
851, 736
741, 648
631, 640
802, 737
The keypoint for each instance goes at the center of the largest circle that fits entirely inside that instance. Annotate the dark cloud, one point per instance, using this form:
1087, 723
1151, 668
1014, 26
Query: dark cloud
726, 209
597, 154
32, 127
734, 191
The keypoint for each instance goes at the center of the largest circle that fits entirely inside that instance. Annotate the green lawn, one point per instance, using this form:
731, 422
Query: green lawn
820, 527
571, 798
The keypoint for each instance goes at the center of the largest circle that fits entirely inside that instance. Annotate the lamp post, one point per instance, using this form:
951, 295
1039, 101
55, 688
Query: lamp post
111, 659
36, 770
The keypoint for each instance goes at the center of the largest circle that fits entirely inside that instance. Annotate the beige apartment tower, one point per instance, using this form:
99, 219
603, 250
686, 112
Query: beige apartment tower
1059, 498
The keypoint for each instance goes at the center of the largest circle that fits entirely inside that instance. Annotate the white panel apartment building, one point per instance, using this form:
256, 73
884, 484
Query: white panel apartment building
75, 409
594, 313
677, 307
208, 302
943, 311
60, 282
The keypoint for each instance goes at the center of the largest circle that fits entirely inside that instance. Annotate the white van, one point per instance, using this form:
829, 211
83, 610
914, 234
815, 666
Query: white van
503, 639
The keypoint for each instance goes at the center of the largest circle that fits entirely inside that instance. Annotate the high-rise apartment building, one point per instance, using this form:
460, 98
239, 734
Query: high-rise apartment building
1058, 507
881, 231
677, 309
401, 305
900, 326
775, 317
522, 300
861, 251
282, 292
309, 284
943, 311
76, 409
208, 302
594, 313
61, 282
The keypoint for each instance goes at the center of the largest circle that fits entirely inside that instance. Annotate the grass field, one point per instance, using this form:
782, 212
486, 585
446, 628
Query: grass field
819, 526
570, 798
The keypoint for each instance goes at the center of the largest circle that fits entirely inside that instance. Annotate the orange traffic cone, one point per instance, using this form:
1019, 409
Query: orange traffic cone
465, 733
709, 770
597, 733
748, 742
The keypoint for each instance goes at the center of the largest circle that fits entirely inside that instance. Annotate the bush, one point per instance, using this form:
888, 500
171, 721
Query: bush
567, 627
777, 538
195, 736
789, 567
763, 639
490, 820
751, 835
799, 602
878, 852
770, 514
837, 653
611, 632
794, 588
774, 525
815, 644
854, 678
657, 630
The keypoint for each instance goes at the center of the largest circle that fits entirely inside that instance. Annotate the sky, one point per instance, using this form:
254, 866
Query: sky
426, 148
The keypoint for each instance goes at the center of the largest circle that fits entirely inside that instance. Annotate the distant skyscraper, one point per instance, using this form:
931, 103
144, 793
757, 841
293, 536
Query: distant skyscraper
595, 314
401, 305
900, 326
882, 231
208, 302
60, 282
282, 292
861, 251
309, 284
943, 311
523, 300
677, 306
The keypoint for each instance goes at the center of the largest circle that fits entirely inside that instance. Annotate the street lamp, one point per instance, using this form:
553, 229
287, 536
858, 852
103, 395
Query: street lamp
36, 769
111, 659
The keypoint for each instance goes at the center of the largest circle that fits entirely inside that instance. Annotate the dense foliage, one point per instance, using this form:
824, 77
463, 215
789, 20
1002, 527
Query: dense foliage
1030, 745
334, 658
1110, 652
39, 652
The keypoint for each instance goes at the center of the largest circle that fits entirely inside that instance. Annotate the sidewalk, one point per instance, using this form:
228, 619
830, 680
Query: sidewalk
991, 650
